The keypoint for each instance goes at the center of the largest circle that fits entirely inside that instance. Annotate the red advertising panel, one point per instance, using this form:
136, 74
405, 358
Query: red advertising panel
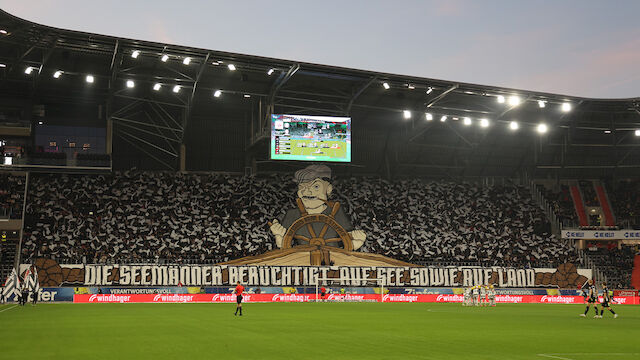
431, 298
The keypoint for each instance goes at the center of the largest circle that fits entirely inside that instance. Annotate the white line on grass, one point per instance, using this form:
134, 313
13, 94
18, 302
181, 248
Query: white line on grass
553, 357
556, 355
9, 308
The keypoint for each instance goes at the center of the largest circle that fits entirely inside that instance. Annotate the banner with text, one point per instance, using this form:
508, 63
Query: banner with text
601, 234
251, 298
565, 276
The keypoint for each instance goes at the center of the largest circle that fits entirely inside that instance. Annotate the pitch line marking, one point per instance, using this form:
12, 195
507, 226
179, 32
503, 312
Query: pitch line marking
554, 357
9, 308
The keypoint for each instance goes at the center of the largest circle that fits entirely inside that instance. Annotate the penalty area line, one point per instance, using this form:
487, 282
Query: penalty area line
9, 308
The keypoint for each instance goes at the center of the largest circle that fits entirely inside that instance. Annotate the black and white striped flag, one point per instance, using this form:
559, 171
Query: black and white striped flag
11, 286
31, 281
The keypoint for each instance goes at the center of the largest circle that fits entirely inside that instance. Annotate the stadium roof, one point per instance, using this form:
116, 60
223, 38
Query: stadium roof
596, 137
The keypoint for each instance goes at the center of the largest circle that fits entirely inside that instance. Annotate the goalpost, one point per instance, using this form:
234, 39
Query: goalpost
348, 289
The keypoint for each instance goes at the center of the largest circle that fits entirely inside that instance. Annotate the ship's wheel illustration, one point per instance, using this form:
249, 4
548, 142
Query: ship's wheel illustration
319, 239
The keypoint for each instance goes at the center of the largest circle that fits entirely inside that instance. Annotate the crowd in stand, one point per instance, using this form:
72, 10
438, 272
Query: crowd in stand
178, 218
562, 204
625, 198
11, 195
589, 194
617, 264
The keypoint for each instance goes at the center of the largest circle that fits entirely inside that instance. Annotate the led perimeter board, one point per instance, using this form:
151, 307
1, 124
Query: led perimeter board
310, 138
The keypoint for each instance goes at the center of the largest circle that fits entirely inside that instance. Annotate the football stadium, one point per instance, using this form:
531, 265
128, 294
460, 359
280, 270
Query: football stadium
165, 201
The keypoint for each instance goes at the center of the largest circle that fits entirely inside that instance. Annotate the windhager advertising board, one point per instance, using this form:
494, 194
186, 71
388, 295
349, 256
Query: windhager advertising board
249, 298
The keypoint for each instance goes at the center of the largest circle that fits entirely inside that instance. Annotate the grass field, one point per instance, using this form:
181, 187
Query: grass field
315, 331
326, 152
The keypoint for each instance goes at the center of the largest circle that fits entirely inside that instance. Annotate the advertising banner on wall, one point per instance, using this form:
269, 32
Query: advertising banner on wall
251, 298
601, 234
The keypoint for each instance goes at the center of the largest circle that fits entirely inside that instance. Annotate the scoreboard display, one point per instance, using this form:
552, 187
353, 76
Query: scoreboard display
310, 138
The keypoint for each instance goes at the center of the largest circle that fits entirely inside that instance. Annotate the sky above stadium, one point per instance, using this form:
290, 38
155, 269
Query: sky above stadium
578, 47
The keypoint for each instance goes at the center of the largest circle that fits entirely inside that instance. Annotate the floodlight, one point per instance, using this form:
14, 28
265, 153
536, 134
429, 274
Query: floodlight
135, 54
484, 123
386, 85
514, 125
89, 79
130, 84
501, 99
57, 74
542, 128
514, 100
428, 116
186, 60
231, 67
176, 89
566, 107
217, 93
407, 114
157, 86
467, 121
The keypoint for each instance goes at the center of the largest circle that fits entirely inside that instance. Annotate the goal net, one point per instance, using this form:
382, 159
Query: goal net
346, 289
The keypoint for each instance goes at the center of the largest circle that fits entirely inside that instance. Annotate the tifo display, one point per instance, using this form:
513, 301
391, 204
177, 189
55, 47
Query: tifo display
310, 138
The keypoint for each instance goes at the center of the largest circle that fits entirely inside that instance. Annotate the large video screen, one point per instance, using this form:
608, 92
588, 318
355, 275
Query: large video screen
310, 138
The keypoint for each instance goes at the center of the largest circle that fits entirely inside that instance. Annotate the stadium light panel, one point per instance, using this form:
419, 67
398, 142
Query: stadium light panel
186, 60
566, 107
176, 89
4, 32
443, 118
40, 122
247, 96
231, 67
28, 70
501, 99
484, 123
467, 121
514, 125
157, 86
406, 114
542, 103
428, 116
637, 132
607, 131
57, 74
135, 54
542, 128
411, 86
270, 71
429, 90
514, 100
89, 79
3, 65
130, 84
217, 93
164, 58
386, 86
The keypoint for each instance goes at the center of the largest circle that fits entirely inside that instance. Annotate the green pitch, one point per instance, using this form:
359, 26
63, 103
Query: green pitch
326, 152
315, 331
